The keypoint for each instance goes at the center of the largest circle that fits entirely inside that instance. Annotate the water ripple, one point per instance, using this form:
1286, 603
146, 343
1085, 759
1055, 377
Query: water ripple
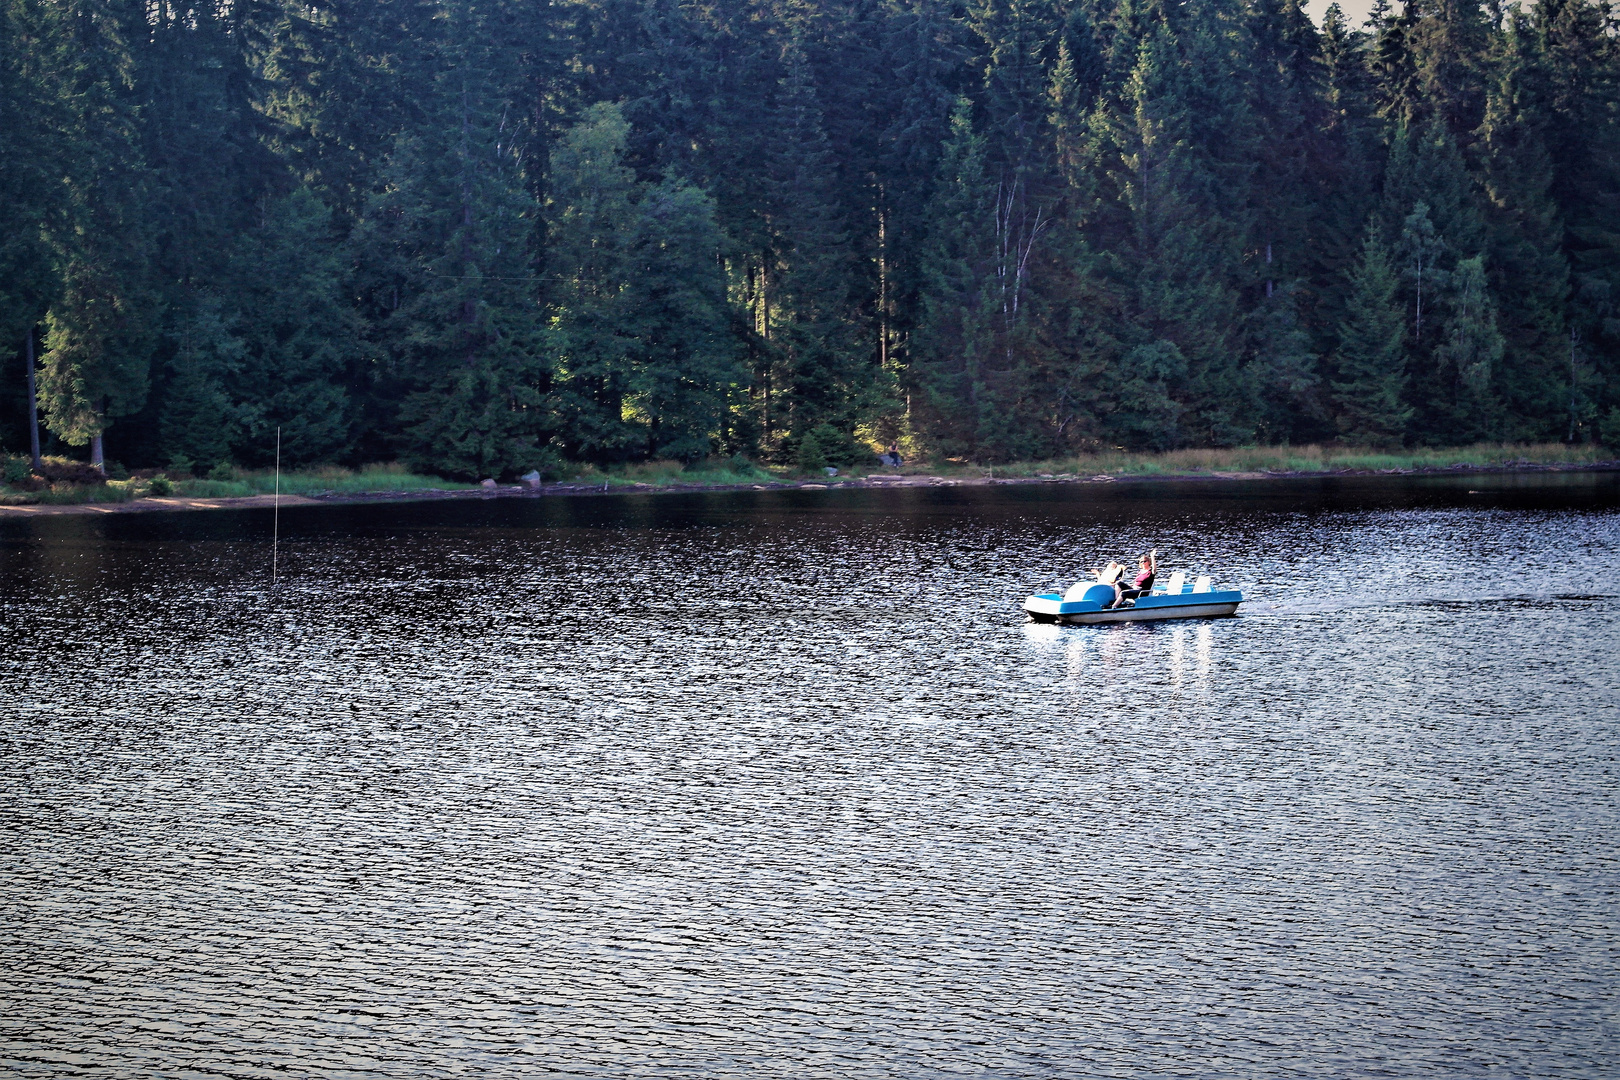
782, 785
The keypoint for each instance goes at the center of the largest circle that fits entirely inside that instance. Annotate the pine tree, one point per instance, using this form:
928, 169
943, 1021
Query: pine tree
1393, 63
199, 420
344, 79
1529, 275
1285, 370
298, 335
1290, 118
30, 108
957, 335
1469, 356
1578, 72
821, 371
101, 327
927, 62
1371, 358
1177, 148
446, 273
1352, 150
592, 216
1425, 166
687, 375
1448, 42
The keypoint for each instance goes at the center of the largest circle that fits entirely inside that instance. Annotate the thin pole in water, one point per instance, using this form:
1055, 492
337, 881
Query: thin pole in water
275, 527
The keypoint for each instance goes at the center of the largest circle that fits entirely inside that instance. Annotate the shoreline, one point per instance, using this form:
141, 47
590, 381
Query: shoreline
174, 503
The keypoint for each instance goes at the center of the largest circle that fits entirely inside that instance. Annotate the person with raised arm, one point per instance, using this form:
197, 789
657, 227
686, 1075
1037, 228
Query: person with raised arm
1141, 585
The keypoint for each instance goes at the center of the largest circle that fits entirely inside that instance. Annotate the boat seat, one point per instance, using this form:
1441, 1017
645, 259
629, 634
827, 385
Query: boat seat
1173, 586
1203, 583
1077, 591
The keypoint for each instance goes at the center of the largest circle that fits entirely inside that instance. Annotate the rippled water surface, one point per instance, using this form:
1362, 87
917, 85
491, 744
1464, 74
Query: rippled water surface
783, 784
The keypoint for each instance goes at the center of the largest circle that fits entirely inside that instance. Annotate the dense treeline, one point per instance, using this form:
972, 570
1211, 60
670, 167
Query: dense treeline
493, 235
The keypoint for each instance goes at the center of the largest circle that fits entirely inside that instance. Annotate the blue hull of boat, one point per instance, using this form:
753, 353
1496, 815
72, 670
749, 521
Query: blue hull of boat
1089, 609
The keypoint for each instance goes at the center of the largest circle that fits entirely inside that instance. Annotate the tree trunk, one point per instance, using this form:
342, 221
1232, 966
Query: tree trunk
33, 407
96, 457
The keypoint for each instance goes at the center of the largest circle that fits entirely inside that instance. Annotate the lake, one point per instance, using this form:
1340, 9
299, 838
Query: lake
784, 784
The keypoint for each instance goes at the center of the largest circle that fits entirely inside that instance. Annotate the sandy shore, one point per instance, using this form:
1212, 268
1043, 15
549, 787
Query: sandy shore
137, 506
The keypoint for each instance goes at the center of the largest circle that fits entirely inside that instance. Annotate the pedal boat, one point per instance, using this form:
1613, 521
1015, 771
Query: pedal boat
1085, 603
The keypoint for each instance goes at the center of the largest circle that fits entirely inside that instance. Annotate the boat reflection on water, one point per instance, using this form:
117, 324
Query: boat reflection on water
1184, 652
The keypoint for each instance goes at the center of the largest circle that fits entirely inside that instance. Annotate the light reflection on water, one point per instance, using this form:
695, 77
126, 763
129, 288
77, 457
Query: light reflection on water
783, 784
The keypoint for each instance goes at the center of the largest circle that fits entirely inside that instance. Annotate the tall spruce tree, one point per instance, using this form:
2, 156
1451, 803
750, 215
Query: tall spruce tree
1579, 74
299, 335
1178, 146
688, 381
928, 71
1370, 362
958, 332
31, 106
101, 329
445, 268
818, 370
1529, 273
1469, 356
592, 216
648, 348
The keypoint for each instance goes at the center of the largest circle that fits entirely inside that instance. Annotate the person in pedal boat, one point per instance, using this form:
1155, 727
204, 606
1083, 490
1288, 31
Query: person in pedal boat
1141, 585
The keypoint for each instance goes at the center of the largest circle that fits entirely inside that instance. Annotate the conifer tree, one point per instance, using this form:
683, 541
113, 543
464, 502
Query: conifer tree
1285, 370
446, 271
687, 371
1529, 274
957, 336
1470, 355
1176, 149
200, 421
648, 360
31, 115
1425, 166
592, 215
927, 67
1352, 150
1371, 362
1579, 72
1290, 119
299, 335
100, 334
820, 371
1447, 44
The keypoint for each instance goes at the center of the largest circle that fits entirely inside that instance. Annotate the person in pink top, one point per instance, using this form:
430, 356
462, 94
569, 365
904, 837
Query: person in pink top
1141, 585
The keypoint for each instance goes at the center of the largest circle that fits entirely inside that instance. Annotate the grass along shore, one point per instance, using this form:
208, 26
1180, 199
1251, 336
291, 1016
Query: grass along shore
1306, 460
392, 479
244, 483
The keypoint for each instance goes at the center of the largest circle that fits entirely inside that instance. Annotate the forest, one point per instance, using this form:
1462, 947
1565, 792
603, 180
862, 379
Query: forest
483, 237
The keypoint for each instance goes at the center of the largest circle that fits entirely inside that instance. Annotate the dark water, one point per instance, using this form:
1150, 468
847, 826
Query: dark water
783, 785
